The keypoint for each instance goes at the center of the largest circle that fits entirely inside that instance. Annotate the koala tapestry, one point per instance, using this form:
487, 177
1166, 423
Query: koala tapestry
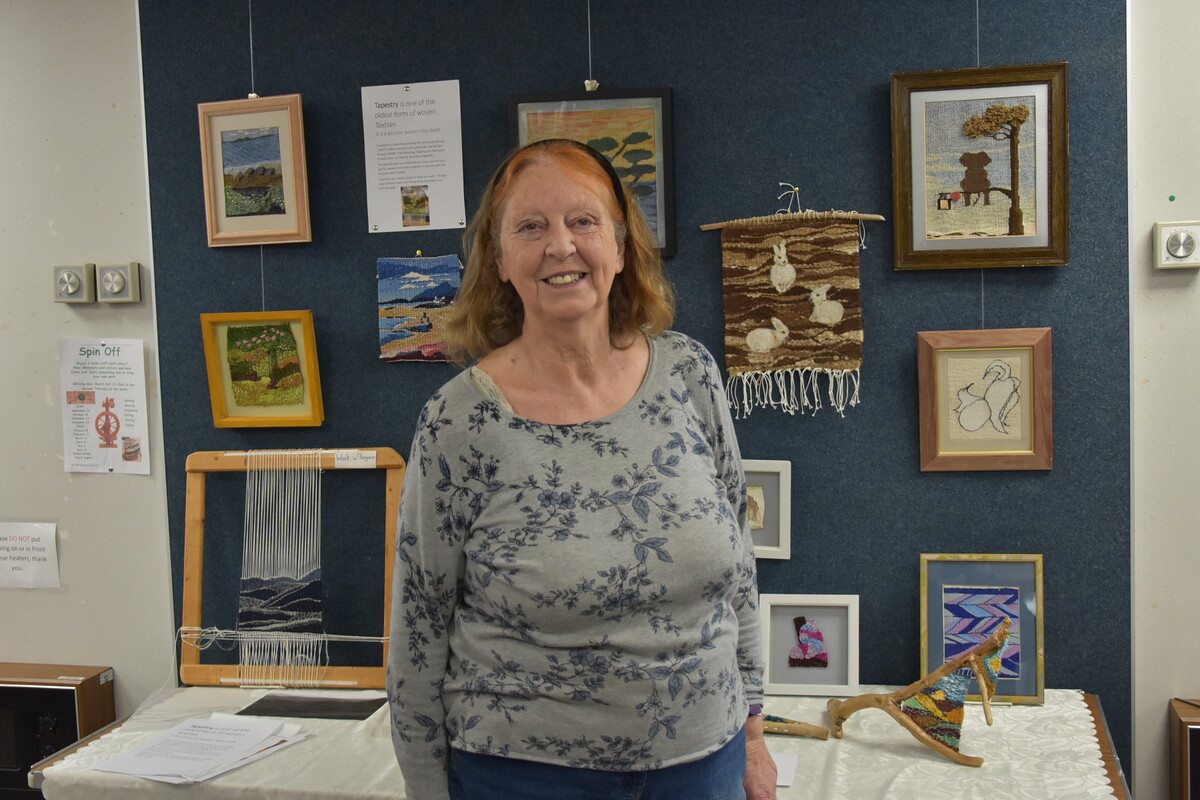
793, 315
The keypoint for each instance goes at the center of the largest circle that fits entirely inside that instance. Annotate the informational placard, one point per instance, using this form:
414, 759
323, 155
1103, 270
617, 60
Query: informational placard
413, 138
28, 555
102, 386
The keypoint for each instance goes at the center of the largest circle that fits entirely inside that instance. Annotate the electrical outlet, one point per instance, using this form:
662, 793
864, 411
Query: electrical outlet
74, 283
1176, 245
119, 283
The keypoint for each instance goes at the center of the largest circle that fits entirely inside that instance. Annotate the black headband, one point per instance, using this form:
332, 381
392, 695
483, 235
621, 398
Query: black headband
617, 187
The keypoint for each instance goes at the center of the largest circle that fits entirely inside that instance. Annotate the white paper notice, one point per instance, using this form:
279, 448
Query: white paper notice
28, 555
785, 763
413, 138
102, 386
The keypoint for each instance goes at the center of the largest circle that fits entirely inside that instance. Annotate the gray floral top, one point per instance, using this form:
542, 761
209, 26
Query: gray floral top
579, 594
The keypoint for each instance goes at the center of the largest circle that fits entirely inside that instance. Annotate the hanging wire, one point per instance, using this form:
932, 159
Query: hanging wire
262, 268
982, 306
591, 84
250, 19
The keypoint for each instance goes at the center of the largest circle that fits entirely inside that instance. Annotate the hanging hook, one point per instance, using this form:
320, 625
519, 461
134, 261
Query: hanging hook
793, 196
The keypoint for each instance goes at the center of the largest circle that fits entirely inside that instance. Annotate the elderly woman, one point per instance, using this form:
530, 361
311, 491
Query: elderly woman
575, 602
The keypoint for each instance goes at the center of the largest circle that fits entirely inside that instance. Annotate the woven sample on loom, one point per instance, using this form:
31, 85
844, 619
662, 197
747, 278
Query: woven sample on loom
279, 629
793, 312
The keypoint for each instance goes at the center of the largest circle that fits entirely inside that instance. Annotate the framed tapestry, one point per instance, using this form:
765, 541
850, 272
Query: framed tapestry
980, 167
633, 131
255, 177
262, 369
811, 643
769, 506
985, 399
964, 596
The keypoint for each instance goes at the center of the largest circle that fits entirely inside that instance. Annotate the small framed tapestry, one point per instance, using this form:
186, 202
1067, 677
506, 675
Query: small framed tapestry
262, 369
769, 506
255, 178
964, 596
980, 167
631, 128
811, 643
986, 400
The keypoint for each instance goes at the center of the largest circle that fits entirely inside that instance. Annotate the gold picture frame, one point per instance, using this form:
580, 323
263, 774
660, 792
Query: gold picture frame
255, 178
262, 369
965, 143
985, 399
955, 586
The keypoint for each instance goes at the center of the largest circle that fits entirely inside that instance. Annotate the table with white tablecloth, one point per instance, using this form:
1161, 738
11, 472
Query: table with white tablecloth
1054, 751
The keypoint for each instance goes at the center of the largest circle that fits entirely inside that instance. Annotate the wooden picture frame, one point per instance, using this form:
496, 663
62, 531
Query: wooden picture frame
988, 588
262, 369
631, 128
986, 400
255, 178
955, 134
769, 501
793, 648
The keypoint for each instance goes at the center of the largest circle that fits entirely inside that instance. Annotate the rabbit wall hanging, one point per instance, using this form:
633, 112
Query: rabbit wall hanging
793, 314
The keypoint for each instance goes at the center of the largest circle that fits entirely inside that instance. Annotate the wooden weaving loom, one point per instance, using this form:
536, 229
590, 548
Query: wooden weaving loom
194, 638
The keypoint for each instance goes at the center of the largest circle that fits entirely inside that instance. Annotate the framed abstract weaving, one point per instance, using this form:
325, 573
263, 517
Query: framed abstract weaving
255, 177
811, 643
262, 369
633, 131
986, 400
769, 506
965, 597
980, 167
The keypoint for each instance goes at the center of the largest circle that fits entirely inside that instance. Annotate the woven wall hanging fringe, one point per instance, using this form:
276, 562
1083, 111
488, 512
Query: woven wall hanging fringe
793, 313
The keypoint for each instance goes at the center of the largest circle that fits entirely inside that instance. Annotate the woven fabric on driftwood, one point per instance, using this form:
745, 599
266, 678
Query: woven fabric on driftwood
793, 313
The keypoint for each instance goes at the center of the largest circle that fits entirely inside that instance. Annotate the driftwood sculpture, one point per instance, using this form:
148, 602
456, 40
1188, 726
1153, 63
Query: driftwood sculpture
931, 709
793, 727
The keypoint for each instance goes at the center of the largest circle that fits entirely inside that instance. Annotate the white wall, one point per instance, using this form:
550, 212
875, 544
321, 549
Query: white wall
73, 189
1164, 160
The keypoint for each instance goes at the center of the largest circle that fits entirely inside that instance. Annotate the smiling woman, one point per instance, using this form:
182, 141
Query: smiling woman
580, 496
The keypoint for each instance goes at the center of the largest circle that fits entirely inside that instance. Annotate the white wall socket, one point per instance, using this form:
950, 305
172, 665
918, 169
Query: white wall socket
74, 283
119, 283
1176, 245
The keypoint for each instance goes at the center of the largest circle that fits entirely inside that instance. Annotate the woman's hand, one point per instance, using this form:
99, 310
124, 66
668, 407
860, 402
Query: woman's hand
760, 767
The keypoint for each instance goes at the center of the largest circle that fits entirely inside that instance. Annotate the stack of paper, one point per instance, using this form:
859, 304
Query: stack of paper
198, 749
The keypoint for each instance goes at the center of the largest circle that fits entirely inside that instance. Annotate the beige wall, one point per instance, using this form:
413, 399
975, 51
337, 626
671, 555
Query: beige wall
73, 189
1164, 160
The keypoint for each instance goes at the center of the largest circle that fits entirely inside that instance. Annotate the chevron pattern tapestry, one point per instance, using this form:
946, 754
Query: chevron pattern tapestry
970, 614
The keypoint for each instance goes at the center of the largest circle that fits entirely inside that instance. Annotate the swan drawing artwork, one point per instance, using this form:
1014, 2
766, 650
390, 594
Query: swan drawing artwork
999, 396
761, 340
783, 274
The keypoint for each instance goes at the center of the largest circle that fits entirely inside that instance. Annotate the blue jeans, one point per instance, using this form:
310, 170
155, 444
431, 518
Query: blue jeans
715, 777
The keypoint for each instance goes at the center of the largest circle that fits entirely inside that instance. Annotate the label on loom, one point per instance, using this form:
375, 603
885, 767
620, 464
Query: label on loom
354, 459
